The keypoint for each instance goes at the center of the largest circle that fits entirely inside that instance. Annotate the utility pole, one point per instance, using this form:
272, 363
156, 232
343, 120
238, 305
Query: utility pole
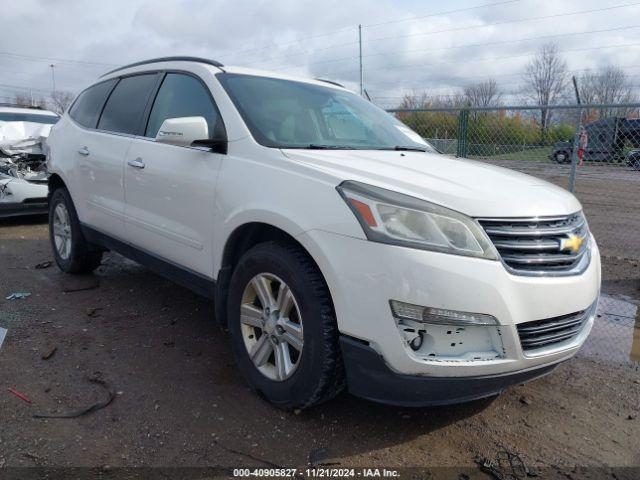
360, 45
53, 78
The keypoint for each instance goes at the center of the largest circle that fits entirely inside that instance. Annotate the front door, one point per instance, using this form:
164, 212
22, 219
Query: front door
170, 190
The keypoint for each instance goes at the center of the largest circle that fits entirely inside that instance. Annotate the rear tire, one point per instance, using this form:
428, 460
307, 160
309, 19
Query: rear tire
304, 327
562, 157
71, 251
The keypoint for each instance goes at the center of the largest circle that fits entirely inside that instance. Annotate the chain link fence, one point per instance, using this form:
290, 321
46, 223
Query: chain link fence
591, 150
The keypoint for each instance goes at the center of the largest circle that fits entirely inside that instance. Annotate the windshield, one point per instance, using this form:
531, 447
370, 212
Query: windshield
289, 114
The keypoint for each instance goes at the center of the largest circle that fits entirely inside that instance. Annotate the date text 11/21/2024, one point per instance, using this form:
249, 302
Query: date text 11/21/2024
317, 472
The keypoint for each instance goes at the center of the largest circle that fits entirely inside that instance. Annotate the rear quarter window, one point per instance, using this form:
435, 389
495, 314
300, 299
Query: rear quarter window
86, 109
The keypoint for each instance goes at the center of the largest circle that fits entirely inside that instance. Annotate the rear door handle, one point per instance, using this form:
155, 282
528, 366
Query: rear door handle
137, 163
84, 151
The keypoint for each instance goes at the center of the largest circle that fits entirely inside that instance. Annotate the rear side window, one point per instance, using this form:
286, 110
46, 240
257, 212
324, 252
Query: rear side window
125, 107
86, 109
183, 96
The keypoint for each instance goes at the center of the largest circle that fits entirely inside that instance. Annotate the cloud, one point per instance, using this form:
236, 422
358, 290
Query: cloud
437, 54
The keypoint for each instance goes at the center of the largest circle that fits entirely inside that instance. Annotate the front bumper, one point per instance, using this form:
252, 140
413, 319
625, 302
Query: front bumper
369, 377
363, 276
21, 197
23, 208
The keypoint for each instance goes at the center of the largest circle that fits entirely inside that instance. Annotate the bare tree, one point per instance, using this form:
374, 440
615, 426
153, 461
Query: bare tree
482, 94
545, 79
419, 100
60, 100
22, 100
414, 100
608, 85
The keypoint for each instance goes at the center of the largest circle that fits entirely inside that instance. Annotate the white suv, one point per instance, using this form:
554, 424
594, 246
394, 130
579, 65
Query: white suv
340, 249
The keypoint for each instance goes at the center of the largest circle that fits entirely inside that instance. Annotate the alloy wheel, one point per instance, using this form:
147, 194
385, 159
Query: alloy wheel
271, 326
62, 231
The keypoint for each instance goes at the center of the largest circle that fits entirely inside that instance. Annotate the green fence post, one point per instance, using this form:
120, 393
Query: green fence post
574, 154
463, 132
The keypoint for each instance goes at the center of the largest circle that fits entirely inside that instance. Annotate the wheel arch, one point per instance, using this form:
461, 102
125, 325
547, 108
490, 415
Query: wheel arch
241, 239
55, 181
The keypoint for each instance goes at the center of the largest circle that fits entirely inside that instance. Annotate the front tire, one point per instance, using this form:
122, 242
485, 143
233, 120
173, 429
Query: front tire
71, 251
283, 328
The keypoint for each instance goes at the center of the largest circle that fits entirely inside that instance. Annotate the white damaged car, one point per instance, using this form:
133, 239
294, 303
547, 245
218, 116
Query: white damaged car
23, 170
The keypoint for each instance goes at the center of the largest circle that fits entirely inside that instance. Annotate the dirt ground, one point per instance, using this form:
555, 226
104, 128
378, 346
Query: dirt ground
181, 402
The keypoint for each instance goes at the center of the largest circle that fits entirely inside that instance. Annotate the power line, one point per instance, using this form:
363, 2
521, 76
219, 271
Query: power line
467, 45
23, 88
449, 94
371, 25
504, 22
420, 17
484, 59
433, 32
35, 58
226, 55
464, 81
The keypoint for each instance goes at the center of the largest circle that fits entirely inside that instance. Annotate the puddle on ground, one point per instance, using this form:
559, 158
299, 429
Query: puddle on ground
616, 331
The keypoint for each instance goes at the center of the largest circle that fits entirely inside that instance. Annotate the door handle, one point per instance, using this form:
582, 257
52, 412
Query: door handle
84, 151
137, 163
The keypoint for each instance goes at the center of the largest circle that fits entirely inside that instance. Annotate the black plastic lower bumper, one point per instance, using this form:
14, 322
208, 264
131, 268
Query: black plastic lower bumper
26, 208
369, 377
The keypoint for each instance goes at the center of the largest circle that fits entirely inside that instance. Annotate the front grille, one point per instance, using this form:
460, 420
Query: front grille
549, 332
540, 246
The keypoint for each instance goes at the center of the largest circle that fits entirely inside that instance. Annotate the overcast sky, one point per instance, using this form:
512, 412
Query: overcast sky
409, 45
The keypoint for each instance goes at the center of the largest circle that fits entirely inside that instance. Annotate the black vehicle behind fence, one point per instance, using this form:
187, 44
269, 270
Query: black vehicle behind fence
609, 139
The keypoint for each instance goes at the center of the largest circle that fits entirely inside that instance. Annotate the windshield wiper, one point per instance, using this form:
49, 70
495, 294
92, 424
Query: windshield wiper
402, 148
315, 146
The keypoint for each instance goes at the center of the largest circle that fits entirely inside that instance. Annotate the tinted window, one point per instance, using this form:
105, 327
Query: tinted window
125, 107
28, 117
183, 96
86, 109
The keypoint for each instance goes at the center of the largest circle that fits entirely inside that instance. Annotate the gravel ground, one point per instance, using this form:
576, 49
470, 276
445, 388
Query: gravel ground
180, 401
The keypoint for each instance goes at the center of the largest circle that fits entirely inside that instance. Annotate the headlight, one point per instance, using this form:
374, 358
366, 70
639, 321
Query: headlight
397, 219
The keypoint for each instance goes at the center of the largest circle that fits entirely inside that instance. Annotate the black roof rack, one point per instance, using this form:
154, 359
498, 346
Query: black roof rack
330, 81
167, 59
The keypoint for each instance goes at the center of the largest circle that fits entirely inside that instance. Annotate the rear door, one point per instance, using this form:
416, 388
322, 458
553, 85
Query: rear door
83, 150
170, 189
100, 152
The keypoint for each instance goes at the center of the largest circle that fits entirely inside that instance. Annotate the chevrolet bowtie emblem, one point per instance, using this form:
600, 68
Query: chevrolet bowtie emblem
573, 243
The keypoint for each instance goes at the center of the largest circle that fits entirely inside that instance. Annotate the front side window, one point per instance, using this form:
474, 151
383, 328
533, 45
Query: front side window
183, 96
125, 106
86, 109
289, 114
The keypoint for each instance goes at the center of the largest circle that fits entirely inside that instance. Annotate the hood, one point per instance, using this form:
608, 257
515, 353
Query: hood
471, 187
23, 137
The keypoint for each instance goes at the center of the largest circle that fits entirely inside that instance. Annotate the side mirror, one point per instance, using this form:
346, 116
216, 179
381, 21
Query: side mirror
182, 131
189, 132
